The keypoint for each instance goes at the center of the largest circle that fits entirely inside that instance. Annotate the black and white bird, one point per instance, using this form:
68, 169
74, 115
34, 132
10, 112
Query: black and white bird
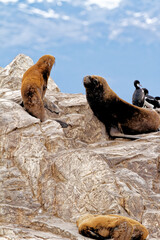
153, 101
138, 95
158, 99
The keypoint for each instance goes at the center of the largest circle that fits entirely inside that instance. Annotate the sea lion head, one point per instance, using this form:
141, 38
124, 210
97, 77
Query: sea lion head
83, 218
97, 88
93, 82
46, 62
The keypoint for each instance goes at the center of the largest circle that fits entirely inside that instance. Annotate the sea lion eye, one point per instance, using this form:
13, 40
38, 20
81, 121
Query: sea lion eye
95, 81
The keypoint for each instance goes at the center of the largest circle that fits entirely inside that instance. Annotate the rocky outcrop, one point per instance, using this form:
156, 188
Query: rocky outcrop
49, 175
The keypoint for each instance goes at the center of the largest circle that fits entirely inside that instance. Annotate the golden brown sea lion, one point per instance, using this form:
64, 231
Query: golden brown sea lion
119, 116
111, 226
34, 85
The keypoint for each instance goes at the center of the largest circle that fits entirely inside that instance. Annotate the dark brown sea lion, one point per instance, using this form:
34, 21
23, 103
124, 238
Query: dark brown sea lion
34, 85
119, 116
111, 226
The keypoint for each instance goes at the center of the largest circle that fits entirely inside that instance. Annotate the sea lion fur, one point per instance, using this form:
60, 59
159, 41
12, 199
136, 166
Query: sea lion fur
34, 85
120, 117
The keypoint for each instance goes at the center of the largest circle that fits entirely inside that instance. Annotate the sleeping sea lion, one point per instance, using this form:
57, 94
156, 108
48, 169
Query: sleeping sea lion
111, 226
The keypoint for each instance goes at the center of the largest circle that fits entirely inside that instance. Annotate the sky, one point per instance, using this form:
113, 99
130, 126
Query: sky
116, 39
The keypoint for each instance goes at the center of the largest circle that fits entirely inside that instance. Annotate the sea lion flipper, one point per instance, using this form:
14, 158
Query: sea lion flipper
115, 133
91, 234
63, 124
22, 104
51, 106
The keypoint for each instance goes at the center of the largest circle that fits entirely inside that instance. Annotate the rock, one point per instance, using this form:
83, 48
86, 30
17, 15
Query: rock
50, 176
43, 227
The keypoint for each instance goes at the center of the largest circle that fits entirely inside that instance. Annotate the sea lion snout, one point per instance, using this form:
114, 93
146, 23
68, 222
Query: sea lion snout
87, 80
90, 80
51, 61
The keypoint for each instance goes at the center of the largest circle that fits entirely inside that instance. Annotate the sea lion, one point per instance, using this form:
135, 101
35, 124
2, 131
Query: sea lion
111, 226
138, 95
119, 116
34, 85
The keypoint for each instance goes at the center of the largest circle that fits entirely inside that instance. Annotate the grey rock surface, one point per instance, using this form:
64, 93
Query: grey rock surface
49, 175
